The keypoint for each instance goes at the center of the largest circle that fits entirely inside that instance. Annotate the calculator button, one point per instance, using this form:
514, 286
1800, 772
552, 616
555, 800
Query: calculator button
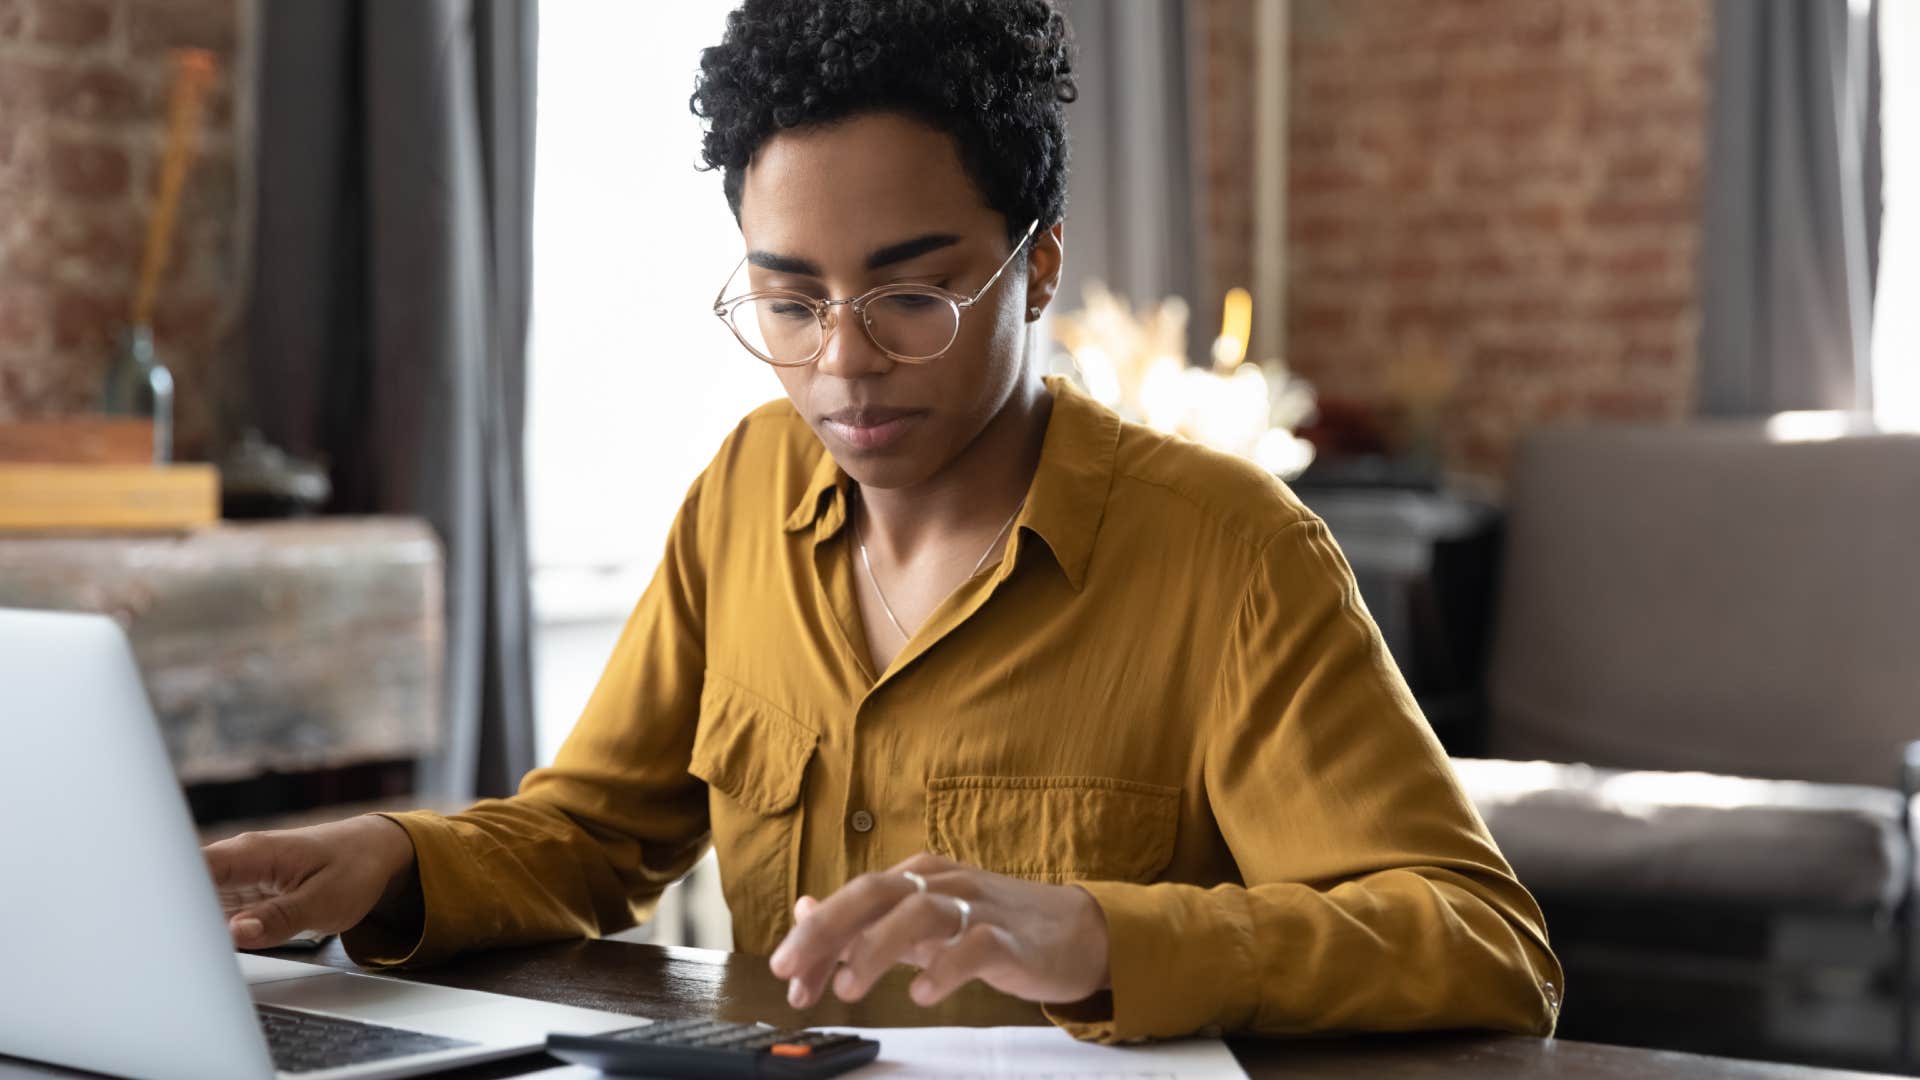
829, 1042
760, 1042
791, 1050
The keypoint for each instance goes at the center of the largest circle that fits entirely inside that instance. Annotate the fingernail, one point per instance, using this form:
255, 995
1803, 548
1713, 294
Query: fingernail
922, 991
247, 928
795, 997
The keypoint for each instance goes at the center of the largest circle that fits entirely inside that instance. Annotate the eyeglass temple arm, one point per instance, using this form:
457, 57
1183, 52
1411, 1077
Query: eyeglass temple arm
982, 291
719, 298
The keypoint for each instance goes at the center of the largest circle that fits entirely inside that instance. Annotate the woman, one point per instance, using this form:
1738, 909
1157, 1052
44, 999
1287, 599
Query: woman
952, 666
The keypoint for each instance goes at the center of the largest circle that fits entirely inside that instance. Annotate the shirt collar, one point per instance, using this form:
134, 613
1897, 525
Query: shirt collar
827, 476
1065, 504
1068, 498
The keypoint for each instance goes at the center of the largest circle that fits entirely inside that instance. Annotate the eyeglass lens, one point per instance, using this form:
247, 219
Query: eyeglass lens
907, 323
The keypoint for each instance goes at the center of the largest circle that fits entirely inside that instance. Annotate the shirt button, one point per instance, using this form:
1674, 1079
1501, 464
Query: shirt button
862, 821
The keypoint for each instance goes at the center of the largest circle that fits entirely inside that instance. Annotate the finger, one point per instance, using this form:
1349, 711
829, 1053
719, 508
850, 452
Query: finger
243, 860
797, 995
926, 864
828, 929
982, 952
811, 984
919, 919
963, 883
807, 973
270, 921
805, 988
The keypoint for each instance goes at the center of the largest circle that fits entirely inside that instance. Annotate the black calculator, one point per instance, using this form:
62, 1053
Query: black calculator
713, 1048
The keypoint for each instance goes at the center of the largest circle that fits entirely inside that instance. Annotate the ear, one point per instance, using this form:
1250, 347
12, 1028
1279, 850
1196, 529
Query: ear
1045, 256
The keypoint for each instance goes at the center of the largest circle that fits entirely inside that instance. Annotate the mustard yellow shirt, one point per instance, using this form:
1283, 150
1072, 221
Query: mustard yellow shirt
1167, 691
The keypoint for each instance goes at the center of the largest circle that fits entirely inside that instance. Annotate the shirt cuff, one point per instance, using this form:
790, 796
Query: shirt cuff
445, 928
1179, 960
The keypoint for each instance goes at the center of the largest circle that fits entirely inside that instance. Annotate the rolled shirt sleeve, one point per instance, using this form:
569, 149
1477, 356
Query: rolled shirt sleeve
588, 844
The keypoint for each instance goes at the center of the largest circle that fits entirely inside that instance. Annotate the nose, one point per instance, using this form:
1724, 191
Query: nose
850, 352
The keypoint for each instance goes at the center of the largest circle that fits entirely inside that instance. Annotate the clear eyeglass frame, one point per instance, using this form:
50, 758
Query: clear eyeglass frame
726, 307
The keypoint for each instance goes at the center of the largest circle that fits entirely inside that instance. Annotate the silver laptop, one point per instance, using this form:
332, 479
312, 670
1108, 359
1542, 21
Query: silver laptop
96, 839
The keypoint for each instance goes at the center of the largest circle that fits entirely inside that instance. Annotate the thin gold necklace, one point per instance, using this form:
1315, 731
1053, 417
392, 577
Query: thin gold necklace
881, 593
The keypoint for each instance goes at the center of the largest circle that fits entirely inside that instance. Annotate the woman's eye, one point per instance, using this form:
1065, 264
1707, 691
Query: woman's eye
788, 309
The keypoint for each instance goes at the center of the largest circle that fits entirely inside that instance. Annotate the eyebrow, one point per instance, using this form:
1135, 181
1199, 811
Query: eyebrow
883, 257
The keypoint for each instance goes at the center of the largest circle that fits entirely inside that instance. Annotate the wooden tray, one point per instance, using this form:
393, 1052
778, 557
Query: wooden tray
113, 498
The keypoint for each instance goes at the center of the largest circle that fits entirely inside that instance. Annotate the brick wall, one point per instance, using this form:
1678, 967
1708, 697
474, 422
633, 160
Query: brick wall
1491, 203
83, 102
1502, 190
1224, 43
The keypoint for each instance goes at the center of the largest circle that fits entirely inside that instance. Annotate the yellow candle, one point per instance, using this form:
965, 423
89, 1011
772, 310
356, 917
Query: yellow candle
1236, 325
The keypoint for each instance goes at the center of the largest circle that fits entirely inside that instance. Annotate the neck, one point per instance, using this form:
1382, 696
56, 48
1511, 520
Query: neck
973, 493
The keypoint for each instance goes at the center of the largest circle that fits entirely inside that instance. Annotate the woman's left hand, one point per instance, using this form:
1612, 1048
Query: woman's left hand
1045, 943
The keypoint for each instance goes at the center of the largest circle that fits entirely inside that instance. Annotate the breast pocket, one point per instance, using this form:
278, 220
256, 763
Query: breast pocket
1054, 828
754, 758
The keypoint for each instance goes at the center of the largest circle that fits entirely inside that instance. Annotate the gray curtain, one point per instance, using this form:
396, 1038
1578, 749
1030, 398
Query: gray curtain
388, 320
1132, 217
1792, 208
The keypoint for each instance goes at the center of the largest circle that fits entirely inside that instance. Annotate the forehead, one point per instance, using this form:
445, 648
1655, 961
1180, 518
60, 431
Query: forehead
841, 190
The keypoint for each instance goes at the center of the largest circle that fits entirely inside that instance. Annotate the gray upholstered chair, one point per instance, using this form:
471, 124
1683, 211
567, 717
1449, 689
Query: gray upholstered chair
1706, 670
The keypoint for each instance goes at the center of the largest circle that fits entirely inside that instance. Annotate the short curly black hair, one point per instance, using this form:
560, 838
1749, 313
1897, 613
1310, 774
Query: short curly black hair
994, 75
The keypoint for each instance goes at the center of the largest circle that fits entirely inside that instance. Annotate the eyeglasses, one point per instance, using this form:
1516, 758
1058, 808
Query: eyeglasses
910, 323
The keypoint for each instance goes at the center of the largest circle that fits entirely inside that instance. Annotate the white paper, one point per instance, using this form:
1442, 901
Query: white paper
1039, 1053
1018, 1053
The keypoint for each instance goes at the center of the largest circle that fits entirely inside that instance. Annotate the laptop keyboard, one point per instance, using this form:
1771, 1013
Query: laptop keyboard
308, 1042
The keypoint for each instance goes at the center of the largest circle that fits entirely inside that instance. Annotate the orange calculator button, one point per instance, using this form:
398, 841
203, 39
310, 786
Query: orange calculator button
790, 1050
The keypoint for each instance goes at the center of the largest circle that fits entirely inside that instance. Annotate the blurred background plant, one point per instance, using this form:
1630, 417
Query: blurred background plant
1136, 363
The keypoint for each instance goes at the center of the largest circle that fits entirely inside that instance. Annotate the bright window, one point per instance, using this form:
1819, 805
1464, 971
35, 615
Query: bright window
632, 382
1896, 319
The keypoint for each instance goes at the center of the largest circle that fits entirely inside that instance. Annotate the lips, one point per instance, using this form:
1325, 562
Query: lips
872, 427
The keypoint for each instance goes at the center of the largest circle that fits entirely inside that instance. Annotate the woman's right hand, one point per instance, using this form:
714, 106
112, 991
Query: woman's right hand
328, 877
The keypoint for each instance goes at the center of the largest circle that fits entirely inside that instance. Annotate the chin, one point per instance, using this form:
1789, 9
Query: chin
883, 471
896, 467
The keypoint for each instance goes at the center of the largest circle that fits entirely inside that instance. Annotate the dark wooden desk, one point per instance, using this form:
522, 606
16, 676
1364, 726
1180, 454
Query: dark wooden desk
666, 983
